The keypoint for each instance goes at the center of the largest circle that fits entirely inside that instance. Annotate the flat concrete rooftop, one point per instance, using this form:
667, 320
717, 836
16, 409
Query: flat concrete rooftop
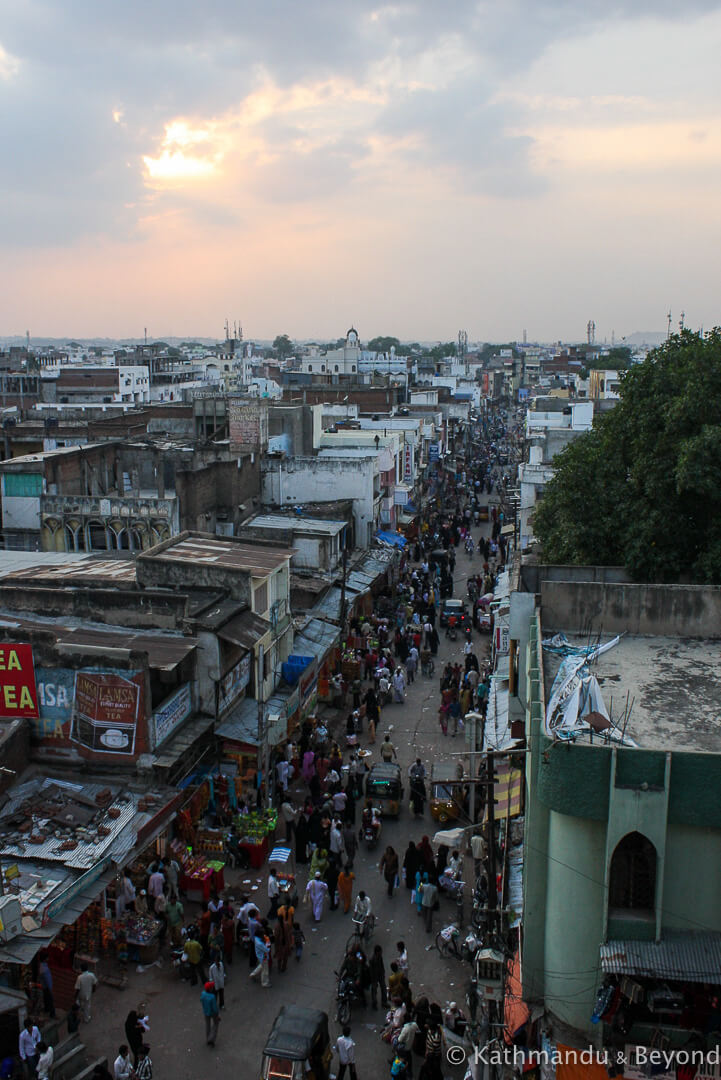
673, 685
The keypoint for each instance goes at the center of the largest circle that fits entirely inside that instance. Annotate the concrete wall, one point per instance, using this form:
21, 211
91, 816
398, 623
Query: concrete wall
690, 611
312, 480
146, 610
534, 573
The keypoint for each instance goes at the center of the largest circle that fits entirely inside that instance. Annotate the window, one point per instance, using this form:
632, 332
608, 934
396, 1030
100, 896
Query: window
260, 598
336, 367
633, 874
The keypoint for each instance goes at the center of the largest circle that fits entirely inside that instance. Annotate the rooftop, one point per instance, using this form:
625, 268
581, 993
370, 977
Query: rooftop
296, 522
672, 685
206, 550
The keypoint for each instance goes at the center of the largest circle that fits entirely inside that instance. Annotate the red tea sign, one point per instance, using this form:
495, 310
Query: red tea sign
18, 695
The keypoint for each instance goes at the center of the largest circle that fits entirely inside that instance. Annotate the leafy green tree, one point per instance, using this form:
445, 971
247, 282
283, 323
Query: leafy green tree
641, 488
439, 352
617, 359
384, 344
283, 346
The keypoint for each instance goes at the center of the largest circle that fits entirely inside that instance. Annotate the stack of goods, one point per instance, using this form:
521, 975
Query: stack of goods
255, 827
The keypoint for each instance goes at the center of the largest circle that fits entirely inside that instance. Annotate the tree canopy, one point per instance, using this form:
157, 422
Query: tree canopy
641, 489
439, 352
283, 346
383, 344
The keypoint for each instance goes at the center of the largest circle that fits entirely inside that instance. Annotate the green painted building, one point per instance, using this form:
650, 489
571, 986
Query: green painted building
623, 843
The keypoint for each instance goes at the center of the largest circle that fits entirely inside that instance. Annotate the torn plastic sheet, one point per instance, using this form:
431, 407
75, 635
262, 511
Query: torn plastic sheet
576, 693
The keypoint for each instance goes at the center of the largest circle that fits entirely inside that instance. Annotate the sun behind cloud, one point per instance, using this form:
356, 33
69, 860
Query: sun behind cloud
186, 154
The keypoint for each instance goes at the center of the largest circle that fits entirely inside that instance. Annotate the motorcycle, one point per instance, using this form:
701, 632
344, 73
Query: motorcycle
370, 831
346, 995
451, 631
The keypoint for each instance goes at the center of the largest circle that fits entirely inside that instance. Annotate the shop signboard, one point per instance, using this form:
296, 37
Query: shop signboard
170, 715
434, 452
106, 712
233, 684
53, 727
18, 693
502, 638
408, 463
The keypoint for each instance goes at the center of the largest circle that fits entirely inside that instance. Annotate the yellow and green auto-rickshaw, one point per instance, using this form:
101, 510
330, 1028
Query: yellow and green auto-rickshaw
446, 793
298, 1047
384, 787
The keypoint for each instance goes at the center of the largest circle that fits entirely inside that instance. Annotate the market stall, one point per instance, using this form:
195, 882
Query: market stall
256, 831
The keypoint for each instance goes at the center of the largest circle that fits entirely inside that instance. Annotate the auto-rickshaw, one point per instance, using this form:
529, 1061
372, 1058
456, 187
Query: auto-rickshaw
298, 1047
384, 787
446, 793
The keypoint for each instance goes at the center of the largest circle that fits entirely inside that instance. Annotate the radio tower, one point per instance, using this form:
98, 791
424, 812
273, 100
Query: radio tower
668, 328
591, 332
680, 321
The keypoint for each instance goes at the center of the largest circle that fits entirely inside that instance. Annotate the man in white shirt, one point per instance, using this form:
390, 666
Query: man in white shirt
84, 986
122, 1068
336, 842
273, 892
346, 1054
156, 882
45, 1060
282, 769
362, 908
28, 1047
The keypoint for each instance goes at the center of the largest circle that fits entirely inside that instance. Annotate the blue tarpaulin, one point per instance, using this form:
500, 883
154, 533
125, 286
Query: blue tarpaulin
392, 539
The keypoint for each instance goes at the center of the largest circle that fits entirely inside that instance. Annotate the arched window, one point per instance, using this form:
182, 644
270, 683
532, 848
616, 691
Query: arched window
97, 536
633, 874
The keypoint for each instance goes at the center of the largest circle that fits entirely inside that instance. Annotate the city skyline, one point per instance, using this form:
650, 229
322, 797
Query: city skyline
409, 168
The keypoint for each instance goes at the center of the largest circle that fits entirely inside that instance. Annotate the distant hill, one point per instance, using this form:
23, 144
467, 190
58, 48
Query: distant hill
645, 337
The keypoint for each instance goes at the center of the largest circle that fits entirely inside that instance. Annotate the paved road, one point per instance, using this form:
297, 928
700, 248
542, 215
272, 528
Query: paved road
177, 1030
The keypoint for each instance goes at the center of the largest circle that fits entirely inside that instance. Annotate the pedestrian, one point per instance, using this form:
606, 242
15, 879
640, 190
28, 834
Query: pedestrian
402, 956
431, 1069
134, 1030
174, 917
315, 892
345, 884
194, 952
388, 750
262, 955
404, 1044
216, 975
73, 1019
298, 941
377, 969
211, 1012
144, 1067
46, 981
429, 900
289, 814
273, 892
399, 686
331, 880
227, 928
282, 939
388, 866
350, 844
45, 1060
122, 1066
84, 986
346, 1054
411, 863
28, 1047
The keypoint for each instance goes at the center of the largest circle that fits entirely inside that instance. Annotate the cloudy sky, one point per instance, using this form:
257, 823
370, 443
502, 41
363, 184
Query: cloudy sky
412, 168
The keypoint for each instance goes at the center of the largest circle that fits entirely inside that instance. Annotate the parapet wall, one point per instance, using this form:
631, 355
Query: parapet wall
686, 611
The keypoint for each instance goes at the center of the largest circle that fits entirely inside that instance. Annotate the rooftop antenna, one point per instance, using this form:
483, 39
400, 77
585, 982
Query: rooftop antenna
668, 330
680, 321
145, 332
27, 340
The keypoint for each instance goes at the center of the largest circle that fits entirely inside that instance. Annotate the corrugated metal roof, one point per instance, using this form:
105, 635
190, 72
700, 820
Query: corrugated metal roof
73, 568
244, 629
315, 639
182, 740
296, 523
693, 956
200, 550
497, 729
241, 723
164, 651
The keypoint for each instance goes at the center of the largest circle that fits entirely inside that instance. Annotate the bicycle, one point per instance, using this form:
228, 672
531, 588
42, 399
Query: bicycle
363, 932
448, 942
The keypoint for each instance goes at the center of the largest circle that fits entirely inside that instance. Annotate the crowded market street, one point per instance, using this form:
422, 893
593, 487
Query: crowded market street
176, 1033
